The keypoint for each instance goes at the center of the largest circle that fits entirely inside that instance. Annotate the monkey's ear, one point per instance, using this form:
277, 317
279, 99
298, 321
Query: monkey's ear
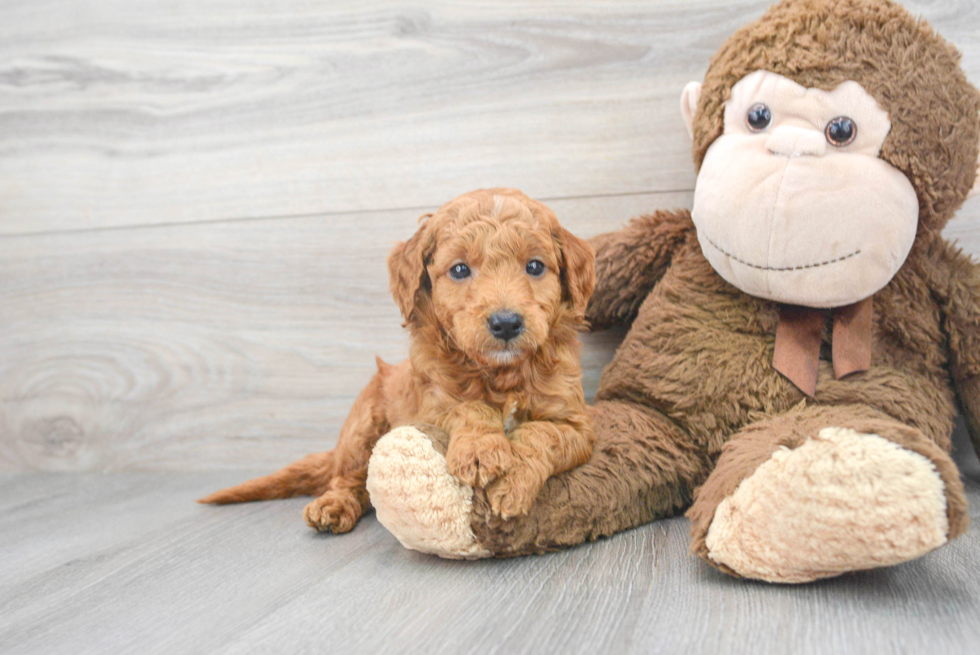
689, 105
406, 268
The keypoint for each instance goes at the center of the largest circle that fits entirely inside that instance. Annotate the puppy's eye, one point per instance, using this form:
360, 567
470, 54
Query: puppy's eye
459, 271
758, 117
841, 131
536, 268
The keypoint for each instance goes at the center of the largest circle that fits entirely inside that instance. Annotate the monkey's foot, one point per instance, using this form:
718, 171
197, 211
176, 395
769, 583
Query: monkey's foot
841, 501
418, 500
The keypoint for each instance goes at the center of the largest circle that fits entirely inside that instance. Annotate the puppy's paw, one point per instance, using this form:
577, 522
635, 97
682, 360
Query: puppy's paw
514, 493
334, 511
479, 460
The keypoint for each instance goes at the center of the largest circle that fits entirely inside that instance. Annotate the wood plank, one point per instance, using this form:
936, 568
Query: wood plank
133, 113
133, 338
44, 528
126, 562
171, 570
225, 345
243, 342
235, 344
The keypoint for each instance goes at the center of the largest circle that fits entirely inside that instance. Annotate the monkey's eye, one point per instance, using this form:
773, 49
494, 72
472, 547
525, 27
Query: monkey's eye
535, 268
841, 131
459, 271
758, 117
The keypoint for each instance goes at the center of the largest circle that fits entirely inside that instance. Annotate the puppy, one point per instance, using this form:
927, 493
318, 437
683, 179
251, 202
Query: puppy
493, 291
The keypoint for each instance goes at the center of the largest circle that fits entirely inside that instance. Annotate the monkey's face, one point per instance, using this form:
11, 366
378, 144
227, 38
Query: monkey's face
792, 201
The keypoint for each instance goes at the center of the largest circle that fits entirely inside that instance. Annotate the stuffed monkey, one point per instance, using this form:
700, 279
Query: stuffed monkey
800, 341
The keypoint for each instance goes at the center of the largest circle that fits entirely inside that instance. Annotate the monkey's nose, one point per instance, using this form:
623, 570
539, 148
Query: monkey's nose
791, 141
506, 325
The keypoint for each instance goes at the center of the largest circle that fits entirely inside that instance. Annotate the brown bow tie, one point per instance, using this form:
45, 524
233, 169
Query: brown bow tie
798, 337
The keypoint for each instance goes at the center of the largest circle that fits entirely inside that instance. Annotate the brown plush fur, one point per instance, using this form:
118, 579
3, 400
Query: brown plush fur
516, 413
691, 397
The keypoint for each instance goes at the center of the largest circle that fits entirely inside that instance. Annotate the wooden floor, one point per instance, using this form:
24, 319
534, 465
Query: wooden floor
196, 200
127, 563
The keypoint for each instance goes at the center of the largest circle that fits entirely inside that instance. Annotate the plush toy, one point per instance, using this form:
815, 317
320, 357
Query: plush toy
800, 340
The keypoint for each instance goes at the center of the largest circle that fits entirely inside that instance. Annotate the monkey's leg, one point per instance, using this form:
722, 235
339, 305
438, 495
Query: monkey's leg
642, 467
823, 491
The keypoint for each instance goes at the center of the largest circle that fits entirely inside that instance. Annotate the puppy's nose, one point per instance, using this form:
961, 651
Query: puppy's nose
506, 325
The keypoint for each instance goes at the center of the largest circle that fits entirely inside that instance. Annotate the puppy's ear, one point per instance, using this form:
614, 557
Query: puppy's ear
406, 269
577, 271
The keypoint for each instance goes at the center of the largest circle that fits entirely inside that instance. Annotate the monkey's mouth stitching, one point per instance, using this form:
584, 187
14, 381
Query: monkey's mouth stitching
780, 268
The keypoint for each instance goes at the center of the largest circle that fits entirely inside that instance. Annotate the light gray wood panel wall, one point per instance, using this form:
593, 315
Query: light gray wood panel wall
196, 199
126, 112
209, 345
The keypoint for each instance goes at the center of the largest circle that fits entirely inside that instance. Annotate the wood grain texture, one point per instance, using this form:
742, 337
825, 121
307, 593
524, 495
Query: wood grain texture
196, 201
226, 344
126, 562
125, 112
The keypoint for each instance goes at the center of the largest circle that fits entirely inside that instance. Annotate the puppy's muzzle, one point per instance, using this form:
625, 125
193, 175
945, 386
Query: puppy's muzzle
506, 325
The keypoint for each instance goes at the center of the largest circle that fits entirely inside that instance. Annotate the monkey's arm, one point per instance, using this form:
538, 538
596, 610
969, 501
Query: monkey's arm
630, 261
962, 314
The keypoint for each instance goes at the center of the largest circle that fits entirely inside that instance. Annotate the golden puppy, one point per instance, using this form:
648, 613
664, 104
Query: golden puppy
493, 290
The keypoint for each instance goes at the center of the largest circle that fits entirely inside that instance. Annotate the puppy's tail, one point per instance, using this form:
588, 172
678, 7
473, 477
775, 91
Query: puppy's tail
309, 476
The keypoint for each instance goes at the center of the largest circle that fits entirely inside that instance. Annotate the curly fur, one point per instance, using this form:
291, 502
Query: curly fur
515, 412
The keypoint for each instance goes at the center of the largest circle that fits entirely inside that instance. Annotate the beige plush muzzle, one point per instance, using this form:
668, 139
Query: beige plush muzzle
784, 215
